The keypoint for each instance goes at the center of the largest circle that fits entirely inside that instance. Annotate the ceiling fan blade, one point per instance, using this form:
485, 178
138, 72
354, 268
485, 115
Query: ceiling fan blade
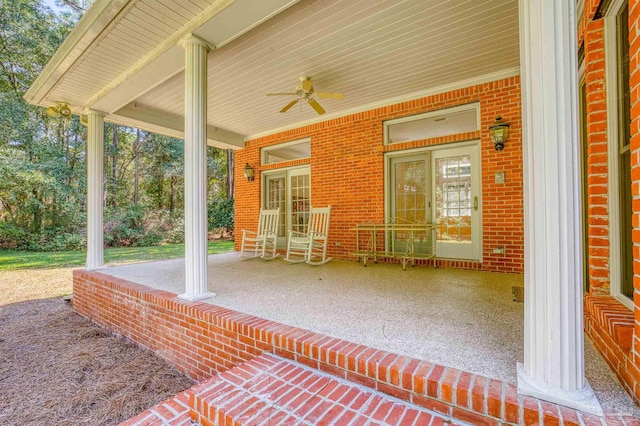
289, 105
315, 105
330, 95
282, 94
306, 85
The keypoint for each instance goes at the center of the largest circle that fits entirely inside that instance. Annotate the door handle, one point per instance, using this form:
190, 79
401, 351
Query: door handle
475, 203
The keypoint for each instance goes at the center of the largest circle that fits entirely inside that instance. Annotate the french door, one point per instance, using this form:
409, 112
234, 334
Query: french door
443, 187
291, 191
457, 202
411, 201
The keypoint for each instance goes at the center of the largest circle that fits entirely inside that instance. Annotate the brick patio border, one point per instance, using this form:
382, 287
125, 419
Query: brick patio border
203, 340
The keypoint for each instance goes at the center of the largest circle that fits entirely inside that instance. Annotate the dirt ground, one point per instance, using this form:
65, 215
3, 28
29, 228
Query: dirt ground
57, 368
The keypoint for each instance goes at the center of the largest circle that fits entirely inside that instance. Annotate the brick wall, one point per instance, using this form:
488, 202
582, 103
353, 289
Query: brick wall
634, 86
347, 170
608, 323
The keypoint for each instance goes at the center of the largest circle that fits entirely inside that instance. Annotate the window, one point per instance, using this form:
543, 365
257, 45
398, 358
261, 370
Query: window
444, 122
618, 135
584, 179
289, 151
624, 158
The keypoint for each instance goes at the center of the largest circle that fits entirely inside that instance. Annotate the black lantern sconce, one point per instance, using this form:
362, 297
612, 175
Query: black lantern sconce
499, 132
248, 172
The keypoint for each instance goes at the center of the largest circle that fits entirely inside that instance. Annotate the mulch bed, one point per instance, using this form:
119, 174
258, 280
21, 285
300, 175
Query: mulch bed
58, 368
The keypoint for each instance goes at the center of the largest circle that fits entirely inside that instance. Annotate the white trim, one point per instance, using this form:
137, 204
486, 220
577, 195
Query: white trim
101, 14
435, 113
487, 78
579, 10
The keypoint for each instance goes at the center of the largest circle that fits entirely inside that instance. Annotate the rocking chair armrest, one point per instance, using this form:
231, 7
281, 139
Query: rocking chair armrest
297, 234
245, 232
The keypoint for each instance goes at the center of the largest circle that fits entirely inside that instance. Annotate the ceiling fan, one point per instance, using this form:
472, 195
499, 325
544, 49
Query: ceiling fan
305, 92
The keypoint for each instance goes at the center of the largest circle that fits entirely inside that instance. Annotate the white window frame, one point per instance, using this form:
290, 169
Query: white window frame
436, 113
611, 87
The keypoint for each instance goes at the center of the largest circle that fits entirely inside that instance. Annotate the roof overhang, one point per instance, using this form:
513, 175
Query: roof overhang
124, 58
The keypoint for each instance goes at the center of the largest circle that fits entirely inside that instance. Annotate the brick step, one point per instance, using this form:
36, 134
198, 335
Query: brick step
270, 390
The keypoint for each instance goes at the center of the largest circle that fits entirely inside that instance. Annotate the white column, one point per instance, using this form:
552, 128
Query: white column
95, 190
553, 368
195, 169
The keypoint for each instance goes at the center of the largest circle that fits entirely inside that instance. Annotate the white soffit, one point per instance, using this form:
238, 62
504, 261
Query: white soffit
369, 50
373, 51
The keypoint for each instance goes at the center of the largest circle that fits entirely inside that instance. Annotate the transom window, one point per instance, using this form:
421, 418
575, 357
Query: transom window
461, 119
294, 150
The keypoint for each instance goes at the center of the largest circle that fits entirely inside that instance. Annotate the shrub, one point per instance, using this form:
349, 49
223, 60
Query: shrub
151, 238
55, 240
220, 212
124, 227
169, 225
12, 236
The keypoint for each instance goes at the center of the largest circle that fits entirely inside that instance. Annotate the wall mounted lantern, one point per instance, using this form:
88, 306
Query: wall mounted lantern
248, 172
499, 132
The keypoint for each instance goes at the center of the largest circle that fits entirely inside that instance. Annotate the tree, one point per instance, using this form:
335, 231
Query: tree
42, 159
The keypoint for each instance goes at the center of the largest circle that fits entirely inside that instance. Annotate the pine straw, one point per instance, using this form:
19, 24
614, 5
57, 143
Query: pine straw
57, 368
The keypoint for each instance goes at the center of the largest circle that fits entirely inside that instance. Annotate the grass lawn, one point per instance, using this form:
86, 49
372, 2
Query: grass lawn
13, 259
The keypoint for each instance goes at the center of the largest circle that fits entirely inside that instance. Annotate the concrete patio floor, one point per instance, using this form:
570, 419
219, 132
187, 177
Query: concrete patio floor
462, 319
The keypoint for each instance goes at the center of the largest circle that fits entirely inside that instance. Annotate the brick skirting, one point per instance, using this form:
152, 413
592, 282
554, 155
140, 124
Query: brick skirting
203, 340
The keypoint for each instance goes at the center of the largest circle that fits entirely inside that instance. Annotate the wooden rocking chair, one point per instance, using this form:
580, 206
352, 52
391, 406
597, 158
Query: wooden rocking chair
311, 247
263, 242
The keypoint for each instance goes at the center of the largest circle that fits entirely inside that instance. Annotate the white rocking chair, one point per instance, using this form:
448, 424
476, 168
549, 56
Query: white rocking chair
263, 242
311, 247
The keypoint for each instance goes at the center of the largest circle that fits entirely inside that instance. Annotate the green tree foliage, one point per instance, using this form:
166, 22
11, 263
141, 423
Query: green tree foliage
42, 159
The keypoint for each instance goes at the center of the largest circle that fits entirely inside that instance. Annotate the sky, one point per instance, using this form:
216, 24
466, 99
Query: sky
52, 5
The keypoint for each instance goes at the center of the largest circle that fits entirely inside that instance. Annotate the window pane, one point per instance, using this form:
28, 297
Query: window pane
453, 199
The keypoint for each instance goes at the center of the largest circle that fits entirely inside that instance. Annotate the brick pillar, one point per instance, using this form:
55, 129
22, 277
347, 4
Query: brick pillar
597, 159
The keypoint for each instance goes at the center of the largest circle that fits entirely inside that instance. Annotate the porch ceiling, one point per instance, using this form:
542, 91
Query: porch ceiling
124, 59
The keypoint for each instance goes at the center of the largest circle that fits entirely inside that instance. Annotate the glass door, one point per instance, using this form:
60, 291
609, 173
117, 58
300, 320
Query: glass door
456, 198
410, 200
275, 196
291, 191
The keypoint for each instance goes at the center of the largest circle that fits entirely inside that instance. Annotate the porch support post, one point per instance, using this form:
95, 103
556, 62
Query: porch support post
195, 169
95, 190
553, 368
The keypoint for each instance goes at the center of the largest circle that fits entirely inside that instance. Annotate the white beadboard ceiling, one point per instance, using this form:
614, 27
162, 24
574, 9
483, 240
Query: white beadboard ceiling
373, 51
